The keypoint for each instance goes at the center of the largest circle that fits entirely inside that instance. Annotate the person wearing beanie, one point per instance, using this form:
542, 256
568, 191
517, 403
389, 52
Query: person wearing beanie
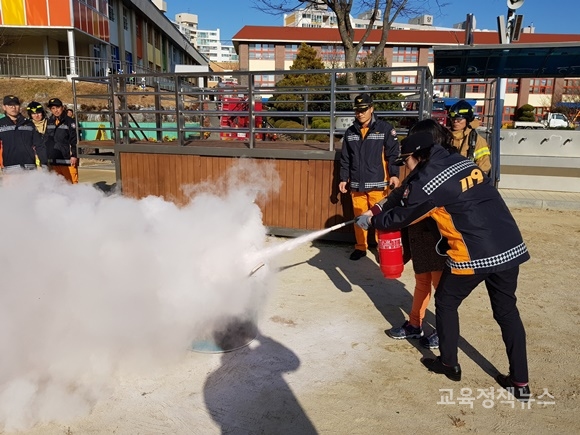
38, 116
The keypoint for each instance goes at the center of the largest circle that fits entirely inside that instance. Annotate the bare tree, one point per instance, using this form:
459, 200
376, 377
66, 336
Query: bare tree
383, 12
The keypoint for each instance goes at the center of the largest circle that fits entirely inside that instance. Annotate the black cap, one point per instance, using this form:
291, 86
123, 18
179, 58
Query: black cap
413, 143
34, 107
54, 102
363, 101
11, 100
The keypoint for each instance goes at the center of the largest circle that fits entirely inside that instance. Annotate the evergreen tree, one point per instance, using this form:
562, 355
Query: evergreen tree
367, 82
525, 113
308, 84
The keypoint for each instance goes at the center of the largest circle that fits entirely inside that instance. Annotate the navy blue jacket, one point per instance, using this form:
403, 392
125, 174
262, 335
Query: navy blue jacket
481, 234
365, 162
61, 139
20, 142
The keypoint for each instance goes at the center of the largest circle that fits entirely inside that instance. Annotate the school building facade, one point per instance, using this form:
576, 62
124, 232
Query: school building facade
90, 37
271, 48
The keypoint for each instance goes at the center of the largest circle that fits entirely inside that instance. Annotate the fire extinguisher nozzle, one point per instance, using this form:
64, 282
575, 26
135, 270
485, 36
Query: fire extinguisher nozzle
255, 269
344, 224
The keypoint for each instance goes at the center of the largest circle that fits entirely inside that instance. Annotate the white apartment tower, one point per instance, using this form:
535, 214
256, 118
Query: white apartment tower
207, 42
319, 16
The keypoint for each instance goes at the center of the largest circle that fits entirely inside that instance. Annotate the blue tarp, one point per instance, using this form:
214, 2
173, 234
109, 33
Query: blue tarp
574, 105
451, 101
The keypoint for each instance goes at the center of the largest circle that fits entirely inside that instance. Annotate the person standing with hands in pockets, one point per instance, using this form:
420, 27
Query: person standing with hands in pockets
367, 163
21, 146
62, 142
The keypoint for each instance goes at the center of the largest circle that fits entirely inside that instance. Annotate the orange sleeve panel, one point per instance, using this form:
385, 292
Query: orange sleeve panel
458, 250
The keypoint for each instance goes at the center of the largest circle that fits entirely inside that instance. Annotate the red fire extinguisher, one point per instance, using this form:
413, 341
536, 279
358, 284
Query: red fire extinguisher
390, 253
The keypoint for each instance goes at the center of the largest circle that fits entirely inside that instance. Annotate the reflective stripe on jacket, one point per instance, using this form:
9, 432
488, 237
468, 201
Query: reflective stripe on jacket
481, 234
368, 163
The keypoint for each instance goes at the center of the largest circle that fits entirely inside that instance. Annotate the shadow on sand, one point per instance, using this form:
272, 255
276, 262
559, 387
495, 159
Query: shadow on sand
247, 394
390, 296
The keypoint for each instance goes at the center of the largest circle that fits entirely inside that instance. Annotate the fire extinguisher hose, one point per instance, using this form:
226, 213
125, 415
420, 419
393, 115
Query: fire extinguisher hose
344, 224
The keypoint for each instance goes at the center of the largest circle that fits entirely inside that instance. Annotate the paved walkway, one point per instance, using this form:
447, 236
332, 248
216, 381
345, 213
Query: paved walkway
103, 176
542, 199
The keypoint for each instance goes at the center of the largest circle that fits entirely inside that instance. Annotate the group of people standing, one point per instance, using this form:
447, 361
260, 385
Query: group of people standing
455, 227
38, 140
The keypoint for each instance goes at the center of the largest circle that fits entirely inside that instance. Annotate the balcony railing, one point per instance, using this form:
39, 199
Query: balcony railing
60, 67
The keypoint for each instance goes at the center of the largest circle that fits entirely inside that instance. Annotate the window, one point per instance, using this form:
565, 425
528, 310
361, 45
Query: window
474, 86
571, 87
430, 56
103, 6
442, 87
512, 86
111, 13
332, 53
508, 114
262, 51
150, 31
264, 80
125, 19
290, 51
541, 86
364, 52
404, 80
405, 54
478, 111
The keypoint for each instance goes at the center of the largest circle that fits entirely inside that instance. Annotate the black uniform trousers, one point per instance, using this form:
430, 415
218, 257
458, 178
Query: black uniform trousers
501, 288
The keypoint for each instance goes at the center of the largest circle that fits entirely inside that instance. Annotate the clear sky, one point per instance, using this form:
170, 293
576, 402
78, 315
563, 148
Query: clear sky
556, 16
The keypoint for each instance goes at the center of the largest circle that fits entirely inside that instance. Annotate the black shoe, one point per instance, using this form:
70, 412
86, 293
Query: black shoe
436, 366
357, 254
521, 393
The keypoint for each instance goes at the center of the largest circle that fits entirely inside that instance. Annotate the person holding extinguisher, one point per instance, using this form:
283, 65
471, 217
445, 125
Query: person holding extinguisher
419, 244
483, 244
369, 150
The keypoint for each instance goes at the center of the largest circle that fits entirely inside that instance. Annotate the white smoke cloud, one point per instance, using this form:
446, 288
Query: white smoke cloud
95, 285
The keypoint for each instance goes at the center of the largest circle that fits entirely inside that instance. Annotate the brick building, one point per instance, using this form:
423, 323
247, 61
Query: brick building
271, 48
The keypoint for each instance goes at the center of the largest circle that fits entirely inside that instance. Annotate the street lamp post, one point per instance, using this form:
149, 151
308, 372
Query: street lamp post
509, 30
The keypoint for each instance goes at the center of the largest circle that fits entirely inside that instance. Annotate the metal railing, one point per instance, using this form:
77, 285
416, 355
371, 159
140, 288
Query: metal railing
59, 67
185, 109
313, 108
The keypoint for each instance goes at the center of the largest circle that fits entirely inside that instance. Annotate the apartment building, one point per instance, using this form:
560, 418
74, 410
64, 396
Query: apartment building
270, 48
320, 16
207, 42
94, 36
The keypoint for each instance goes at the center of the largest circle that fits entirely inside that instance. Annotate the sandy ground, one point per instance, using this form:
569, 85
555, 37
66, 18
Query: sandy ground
322, 362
